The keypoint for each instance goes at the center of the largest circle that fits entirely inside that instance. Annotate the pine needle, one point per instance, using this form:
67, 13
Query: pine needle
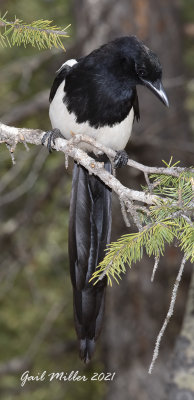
41, 34
168, 220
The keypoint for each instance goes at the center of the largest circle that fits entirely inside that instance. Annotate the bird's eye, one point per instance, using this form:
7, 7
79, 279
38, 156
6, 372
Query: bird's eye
141, 72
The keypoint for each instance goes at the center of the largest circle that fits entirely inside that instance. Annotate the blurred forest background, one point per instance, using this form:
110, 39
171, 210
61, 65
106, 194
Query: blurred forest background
36, 315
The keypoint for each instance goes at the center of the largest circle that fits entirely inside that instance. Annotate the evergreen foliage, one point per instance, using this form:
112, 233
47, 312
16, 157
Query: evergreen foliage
41, 33
168, 221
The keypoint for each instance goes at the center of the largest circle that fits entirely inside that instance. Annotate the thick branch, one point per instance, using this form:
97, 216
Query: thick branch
12, 136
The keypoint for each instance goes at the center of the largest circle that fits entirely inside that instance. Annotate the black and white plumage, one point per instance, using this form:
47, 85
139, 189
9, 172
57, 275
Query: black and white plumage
83, 116
97, 96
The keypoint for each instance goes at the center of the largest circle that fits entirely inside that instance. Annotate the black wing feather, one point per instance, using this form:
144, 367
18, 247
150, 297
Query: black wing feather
136, 106
58, 80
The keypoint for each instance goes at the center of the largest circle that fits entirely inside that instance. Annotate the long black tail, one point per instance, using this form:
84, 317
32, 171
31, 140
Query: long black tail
89, 232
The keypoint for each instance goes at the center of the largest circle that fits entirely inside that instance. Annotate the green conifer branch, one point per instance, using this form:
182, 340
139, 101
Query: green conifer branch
171, 218
41, 33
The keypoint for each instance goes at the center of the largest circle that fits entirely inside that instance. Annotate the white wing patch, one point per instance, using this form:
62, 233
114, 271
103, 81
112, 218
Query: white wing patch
69, 62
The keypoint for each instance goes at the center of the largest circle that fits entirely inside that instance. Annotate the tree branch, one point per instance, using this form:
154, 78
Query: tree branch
12, 136
32, 28
169, 314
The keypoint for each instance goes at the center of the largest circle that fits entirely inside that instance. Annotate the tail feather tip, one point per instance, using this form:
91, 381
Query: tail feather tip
87, 347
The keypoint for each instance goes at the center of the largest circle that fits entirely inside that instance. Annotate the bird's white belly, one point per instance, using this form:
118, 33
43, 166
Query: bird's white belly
114, 137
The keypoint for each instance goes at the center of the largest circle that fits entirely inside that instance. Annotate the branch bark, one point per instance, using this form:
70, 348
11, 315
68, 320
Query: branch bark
12, 136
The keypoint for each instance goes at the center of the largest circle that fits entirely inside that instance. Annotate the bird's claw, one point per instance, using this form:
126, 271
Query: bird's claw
51, 136
120, 159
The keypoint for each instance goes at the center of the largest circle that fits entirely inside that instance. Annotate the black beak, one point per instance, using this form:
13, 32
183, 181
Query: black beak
157, 88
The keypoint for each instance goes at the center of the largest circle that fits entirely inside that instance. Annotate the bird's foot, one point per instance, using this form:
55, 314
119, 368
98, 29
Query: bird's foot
51, 136
120, 159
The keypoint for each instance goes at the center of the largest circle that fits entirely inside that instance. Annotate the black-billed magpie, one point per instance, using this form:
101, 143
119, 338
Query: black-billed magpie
96, 95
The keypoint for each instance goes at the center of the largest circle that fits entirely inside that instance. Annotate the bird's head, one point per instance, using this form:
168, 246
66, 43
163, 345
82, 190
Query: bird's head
143, 65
